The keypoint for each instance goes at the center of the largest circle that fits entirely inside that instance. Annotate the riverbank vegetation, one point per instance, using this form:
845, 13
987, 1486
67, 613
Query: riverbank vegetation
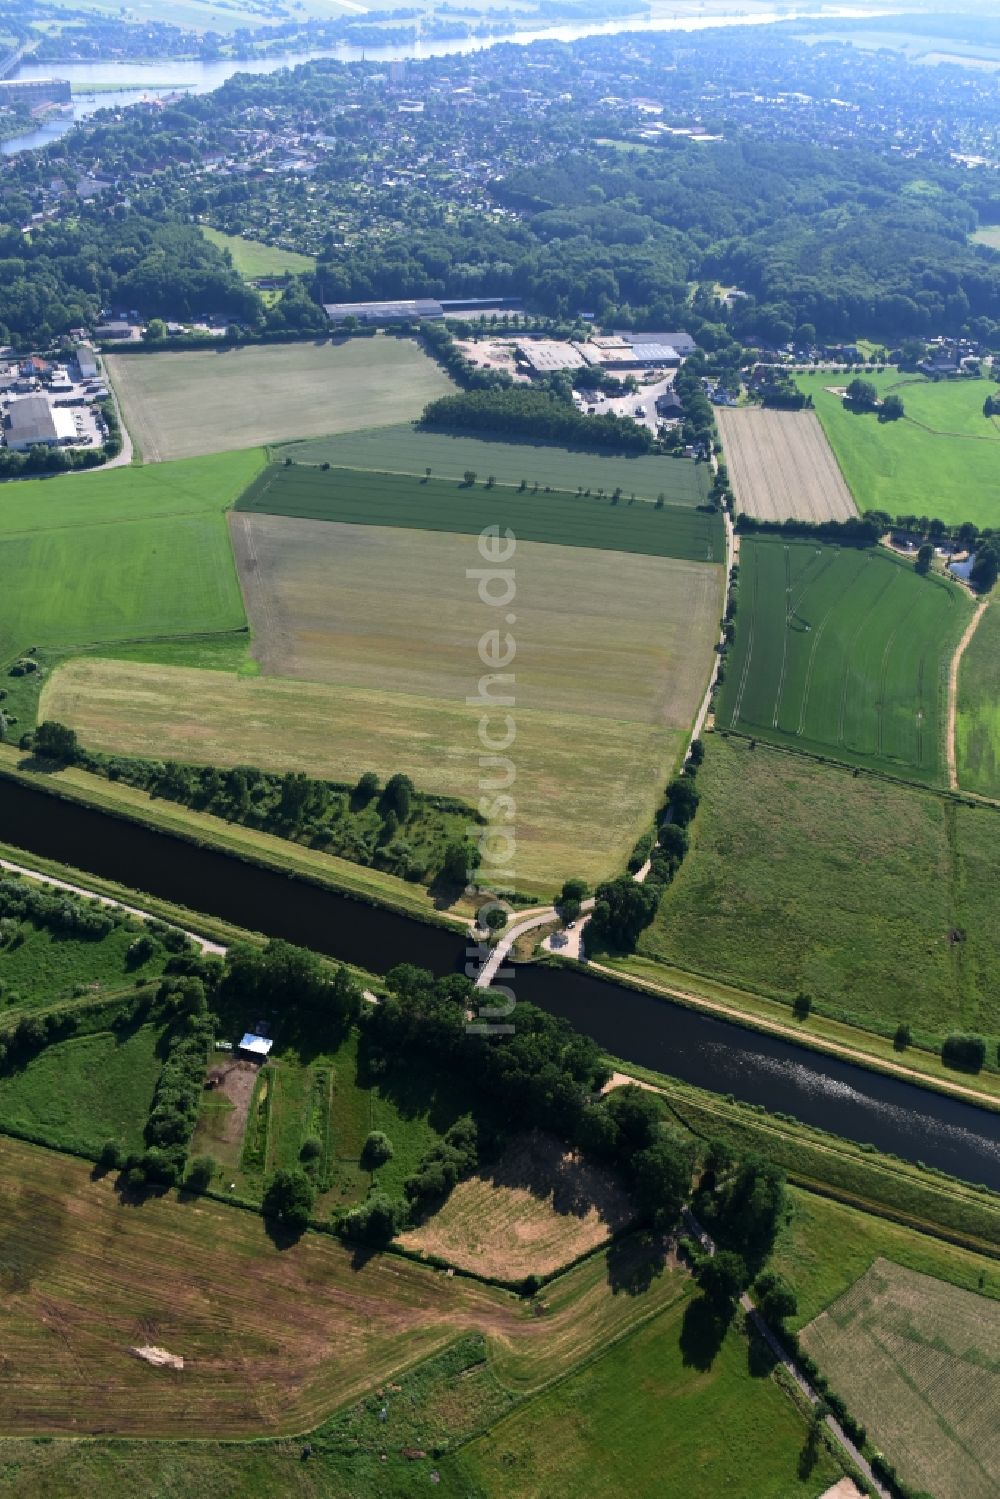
392, 827
775, 895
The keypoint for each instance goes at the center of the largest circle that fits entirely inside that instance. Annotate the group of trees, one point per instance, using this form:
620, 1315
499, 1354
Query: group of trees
862, 395
624, 907
397, 829
62, 274
538, 414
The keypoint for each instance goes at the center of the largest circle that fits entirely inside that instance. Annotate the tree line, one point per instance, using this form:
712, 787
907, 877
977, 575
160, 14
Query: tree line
539, 415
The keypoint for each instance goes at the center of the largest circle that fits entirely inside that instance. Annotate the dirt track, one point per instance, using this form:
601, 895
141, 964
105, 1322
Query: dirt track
781, 466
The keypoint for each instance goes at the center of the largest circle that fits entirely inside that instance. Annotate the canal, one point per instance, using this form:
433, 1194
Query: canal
891, 1114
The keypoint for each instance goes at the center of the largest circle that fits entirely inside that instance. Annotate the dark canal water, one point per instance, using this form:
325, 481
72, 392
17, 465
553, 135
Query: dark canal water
728, 1058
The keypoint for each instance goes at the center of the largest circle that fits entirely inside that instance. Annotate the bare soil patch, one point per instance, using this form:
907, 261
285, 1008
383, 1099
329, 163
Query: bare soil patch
537, 1208
233, 1080
781, 466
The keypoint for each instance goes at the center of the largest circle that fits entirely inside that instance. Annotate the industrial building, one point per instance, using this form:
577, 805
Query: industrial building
544, 356
35, 91
419, 309
86, 360
32, 422
682, 342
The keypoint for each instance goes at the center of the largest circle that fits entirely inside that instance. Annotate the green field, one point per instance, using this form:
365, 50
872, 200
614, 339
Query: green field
253, 259
919, 1360
825, 1246
940, 460
136, 553
388, 499
407, 450
977, 728
843, 651
179, 404
78, 1093
679, 1423
375, 634
872, 898
43, 968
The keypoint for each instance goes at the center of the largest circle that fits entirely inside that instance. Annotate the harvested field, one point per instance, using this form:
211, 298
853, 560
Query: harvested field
375, 634
406, 449
843, 651
535, 1209
180, 404
919, 1360
781, 466
272, 1339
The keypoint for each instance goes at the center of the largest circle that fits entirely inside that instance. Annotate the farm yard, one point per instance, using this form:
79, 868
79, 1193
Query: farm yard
136, 553
781, 467
843, 651
186, 403
405, 449
375, 635
921, 1359
870, 897
977, 725
941, 460
381, 499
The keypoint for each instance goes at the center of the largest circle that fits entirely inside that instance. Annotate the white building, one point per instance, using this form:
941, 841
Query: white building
86, 360
32, 422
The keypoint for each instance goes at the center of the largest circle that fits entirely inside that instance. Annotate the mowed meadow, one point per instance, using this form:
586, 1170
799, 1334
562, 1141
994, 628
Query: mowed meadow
921, 1359
875, 899
182, 403
406, 449
369, 642
130, 554
941, 459
273, 1339
844, 651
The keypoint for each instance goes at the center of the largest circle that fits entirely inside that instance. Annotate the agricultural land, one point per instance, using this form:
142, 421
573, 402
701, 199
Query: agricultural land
940, 460
406, 449
605, 523
781, 467
375, 631
922, 1360
528, 1213
132, 554
182, 404
844, 651
870, 897
978, 719
253, 259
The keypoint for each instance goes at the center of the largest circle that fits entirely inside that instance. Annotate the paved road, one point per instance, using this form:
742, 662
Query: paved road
106, 900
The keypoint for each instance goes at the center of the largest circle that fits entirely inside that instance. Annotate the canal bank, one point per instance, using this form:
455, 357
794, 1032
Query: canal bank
720, 1055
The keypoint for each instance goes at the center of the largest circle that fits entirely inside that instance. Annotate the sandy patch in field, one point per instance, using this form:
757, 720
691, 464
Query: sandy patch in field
235, 1081
781, 466
534, 1210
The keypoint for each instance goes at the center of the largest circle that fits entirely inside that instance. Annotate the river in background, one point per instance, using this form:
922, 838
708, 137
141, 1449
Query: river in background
894, 1115
94, 83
